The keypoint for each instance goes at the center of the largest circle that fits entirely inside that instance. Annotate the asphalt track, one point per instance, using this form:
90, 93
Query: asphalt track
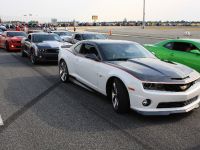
40, 112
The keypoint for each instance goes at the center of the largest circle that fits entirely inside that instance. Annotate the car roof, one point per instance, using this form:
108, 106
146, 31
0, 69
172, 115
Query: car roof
14, 31
196, 42
184, 40
60, 31
84, 33
191, 40
107, 41
41, 33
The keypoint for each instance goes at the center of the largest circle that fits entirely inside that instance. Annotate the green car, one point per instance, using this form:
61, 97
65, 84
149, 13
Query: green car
184, 51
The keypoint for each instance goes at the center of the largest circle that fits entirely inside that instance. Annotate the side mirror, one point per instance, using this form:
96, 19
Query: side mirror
195, 52
93, 57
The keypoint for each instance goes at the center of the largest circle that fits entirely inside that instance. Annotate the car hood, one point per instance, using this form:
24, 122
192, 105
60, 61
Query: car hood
65, 36
51, 44
155, 70
17, 38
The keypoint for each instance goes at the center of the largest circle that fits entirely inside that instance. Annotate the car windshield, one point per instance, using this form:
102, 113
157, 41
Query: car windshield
123, 51
12, 34
93, 36
46, 37
63, 33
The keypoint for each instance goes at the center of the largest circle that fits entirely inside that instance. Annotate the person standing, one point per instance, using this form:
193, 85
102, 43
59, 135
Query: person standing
18, 28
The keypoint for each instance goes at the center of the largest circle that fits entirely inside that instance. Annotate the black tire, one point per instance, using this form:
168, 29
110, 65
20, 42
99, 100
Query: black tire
33, 59
63, 71
119, 96
23, 54
7, 46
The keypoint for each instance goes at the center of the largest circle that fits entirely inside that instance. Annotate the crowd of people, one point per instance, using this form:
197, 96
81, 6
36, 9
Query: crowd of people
27, 27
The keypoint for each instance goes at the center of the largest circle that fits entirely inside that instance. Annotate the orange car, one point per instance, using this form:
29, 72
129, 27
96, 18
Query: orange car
11, 40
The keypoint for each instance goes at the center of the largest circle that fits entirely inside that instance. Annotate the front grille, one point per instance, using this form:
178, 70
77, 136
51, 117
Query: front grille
177, 104
52, 50
51, 58
19, 42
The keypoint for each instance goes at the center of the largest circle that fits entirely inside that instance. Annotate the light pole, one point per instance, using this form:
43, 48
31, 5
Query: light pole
143, 23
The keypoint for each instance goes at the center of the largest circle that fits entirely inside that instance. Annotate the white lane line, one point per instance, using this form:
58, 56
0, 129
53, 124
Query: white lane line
1, 121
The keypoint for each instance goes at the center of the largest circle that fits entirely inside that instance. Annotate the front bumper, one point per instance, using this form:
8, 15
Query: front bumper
158, 97
47, 57
15, 46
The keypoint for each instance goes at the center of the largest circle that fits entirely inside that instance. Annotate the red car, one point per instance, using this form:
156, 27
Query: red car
11, 40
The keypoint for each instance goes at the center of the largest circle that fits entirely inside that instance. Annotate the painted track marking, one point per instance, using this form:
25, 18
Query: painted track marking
1, 121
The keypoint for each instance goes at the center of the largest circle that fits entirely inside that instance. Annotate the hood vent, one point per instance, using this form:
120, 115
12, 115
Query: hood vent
180, 78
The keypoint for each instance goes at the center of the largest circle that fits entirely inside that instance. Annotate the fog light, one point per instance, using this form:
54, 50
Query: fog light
12, 46
146, 102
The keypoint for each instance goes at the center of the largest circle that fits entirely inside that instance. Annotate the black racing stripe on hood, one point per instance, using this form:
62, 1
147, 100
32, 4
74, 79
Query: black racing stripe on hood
122, 68
154, 76
146, 66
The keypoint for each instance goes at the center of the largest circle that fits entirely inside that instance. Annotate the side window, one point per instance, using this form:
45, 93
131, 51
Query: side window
78, 37
182, 46
169, 45
29, 37
88, 49
77, 48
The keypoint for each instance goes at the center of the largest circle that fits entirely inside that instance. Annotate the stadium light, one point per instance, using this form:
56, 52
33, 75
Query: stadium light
143, 23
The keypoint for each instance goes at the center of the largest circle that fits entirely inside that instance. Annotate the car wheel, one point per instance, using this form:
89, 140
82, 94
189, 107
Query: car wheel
7, 46
63, 71
33, 59
23, 54
120, 97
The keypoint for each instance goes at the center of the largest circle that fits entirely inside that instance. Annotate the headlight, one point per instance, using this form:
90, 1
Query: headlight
42, 50
153, 86
167, 87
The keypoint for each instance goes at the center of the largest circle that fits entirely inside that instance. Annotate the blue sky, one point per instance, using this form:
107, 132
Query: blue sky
107, 10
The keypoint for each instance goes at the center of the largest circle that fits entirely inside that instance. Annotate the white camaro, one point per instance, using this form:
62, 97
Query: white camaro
131, 77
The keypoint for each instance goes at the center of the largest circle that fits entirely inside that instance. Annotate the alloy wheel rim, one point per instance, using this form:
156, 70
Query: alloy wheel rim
115, 100
63, 73
32, 59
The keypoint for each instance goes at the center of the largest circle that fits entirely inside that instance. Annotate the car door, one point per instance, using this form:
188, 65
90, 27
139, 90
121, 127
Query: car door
193, 60
165, 51
86, 68
182, 53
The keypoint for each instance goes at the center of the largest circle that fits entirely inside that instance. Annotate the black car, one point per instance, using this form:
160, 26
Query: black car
42, 47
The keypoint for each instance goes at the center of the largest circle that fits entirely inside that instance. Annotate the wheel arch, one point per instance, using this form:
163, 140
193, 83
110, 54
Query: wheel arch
32, 50
61, 59
110, 81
